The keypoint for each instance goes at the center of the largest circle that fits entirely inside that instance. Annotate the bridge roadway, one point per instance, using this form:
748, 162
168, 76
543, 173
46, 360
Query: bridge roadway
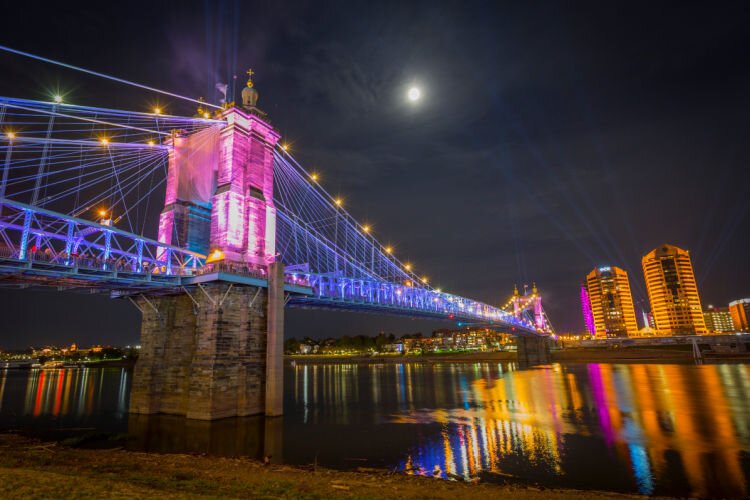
73, 253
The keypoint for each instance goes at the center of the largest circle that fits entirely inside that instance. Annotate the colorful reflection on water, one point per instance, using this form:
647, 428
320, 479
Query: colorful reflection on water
652, 429
52, 394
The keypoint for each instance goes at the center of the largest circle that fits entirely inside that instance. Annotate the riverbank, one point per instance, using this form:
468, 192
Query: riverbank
667, 354
472, 357
31, 468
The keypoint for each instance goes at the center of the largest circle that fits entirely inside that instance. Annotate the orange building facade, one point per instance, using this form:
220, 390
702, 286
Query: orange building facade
673, 292
611, 302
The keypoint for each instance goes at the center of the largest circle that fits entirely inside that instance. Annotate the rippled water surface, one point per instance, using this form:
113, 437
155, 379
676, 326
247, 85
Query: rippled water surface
652, 429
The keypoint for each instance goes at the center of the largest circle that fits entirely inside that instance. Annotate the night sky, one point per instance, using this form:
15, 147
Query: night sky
552, 137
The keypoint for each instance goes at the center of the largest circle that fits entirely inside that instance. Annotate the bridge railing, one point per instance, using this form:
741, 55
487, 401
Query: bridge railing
32, 236
383, 295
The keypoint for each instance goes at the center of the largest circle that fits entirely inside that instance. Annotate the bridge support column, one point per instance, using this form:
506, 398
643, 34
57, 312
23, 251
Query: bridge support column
205, 356
533, 351
275, 343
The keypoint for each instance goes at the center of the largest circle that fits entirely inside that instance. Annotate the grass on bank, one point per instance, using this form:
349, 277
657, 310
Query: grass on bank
31, 468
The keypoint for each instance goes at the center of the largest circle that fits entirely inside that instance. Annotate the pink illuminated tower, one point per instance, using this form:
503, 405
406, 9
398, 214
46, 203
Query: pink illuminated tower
220, 187
521, 302
538, 311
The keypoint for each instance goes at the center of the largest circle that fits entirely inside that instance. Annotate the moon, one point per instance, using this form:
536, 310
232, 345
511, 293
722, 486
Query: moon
414, 94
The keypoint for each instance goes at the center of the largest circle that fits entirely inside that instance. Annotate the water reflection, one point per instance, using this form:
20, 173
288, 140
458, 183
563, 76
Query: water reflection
59, 395
654, 429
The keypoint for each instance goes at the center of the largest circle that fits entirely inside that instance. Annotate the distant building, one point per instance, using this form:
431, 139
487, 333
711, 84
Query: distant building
647, 331
673, 292
740, 312
394, 347
588, 314
718, 320
648, 320
611, 303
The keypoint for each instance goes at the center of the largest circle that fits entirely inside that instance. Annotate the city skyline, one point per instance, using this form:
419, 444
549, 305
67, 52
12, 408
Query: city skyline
614, 282
574, 173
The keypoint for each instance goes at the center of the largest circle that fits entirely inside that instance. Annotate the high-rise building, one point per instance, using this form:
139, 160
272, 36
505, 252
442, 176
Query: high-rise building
718, 320
588, 315
611, 302
740, 312
672, 291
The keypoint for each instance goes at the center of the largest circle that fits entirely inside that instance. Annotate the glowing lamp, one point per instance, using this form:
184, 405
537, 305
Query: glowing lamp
157, 111
102, 213
366, 228
206, 115
151, 143
424, 278
11, 135
338, 202
58, 98
285, 147
314, 176
407, 266
215, 256
104, 141
388, 250
439, 290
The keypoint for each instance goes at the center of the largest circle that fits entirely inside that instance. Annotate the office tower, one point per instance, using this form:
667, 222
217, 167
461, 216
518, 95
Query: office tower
740, 312
718, 320
611, 302
673, 292
588, 315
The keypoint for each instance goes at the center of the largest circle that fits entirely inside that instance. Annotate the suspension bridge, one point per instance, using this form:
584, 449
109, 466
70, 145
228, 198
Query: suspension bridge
210, 228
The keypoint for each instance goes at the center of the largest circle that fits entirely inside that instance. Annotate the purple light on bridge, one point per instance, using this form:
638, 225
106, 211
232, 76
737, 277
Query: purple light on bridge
227, 170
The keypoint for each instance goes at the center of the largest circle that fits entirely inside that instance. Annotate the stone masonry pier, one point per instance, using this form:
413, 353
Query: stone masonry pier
206, 354
533, 351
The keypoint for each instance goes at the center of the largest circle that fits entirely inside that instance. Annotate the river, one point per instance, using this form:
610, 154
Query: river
656, 429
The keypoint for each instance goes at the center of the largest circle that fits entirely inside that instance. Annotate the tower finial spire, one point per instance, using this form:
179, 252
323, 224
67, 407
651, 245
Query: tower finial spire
250, 74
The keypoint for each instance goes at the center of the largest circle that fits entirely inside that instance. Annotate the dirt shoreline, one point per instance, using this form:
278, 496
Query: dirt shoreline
32, 468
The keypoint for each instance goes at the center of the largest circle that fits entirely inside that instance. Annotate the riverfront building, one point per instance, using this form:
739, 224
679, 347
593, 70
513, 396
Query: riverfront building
740, 312
718, 320
588, 314
611, 303
672, 291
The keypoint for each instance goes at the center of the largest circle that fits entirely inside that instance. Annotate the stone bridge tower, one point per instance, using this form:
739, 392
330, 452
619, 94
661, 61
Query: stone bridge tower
214, 349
